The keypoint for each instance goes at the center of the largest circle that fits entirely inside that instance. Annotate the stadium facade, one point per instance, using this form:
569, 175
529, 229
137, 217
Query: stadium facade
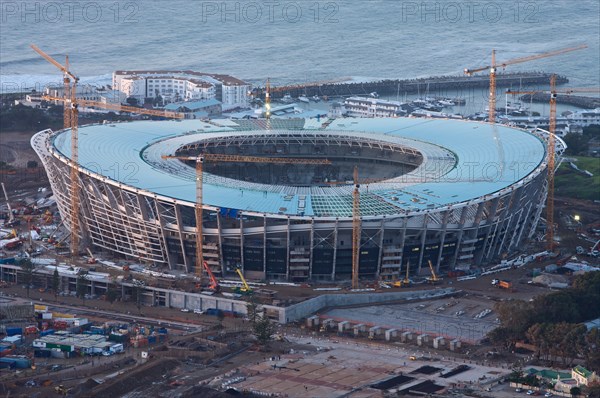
456, 193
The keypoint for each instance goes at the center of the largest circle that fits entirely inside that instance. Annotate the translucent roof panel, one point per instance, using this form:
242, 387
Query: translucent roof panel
463, 161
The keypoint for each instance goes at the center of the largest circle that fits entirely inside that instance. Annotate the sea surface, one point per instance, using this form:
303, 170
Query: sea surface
294, 41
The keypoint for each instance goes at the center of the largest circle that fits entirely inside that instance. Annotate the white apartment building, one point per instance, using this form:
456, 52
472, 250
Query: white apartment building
584, 118
176, 86
371, 107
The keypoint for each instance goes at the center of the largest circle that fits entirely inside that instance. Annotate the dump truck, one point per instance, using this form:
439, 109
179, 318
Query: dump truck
504, 284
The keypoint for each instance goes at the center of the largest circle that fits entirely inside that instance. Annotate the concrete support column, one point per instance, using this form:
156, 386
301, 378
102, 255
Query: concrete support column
390, 333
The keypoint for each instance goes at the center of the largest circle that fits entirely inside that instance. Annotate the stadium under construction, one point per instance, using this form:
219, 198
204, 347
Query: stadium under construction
456, 193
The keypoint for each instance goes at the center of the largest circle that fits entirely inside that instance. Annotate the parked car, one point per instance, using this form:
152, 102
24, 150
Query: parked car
185, 310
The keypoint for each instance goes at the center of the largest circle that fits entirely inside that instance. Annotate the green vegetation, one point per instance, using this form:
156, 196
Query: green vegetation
55, 282
573, 184
24, 118
577, 144
553, 322
263, 329
81, 285
519, 376
21, 118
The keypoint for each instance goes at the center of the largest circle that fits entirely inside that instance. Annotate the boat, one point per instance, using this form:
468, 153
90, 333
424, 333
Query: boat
445, 102
287, 99
316, 98
304, 99
374, 94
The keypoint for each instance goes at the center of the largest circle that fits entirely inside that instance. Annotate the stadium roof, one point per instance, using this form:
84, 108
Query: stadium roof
129, 153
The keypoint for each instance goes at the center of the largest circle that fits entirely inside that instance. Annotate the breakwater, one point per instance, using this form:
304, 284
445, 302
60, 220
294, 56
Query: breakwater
413, 86
576, 100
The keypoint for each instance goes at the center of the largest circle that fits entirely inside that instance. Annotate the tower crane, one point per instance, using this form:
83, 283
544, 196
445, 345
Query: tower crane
493, 68
71, 121
268, 100
215, 157
551, 152
356, 229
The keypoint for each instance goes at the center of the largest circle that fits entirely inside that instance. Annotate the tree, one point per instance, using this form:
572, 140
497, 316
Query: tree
557, 307
132, 101
136, 293
575, 391
81, 285
594, 390
576, 143
55, 282
111, 293
28, 268
263, 329
252, 310
591, 351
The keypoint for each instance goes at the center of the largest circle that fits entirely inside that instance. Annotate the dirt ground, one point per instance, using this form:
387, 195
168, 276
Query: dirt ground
16, 150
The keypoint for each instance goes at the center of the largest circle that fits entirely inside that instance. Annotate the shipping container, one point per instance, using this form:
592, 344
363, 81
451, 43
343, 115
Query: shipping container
7, 364
12, 331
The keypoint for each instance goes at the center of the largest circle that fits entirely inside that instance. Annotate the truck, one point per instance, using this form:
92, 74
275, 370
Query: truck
503, 284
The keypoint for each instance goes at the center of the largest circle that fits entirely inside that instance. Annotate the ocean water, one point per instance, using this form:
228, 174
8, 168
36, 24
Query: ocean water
294, 41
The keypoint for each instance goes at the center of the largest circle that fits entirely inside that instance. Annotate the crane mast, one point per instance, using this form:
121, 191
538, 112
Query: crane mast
551, 151
356, 230
71, 121
493, 70
551, 165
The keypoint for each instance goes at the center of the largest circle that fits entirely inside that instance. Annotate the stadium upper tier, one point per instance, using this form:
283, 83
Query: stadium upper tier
461, 161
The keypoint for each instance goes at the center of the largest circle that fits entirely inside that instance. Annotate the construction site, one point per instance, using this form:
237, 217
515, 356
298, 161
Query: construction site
377, 246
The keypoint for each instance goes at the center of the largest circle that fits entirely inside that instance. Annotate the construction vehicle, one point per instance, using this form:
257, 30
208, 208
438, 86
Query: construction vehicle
214, 284
48, 217
245, 289
62, 390
433, 279
11, 216
92, 259
215, 157
71, 121
405, 282
503, 284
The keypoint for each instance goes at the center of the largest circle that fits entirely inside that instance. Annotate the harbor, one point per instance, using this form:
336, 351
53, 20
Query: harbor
411, 86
